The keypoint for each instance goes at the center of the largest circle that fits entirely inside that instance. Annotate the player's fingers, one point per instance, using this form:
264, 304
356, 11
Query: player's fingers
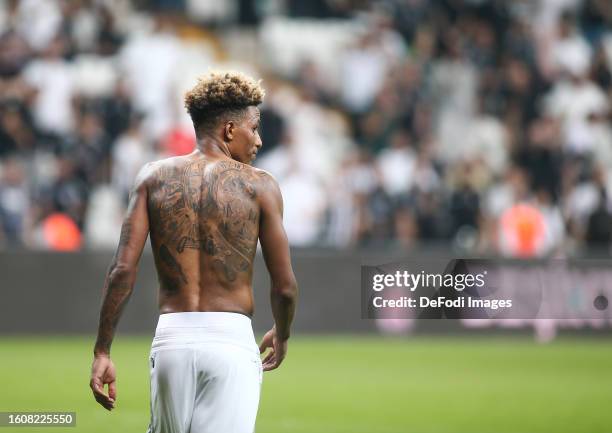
270, 365
96, 386
100, 395
112, 390
103, 400
268, 357
265, 343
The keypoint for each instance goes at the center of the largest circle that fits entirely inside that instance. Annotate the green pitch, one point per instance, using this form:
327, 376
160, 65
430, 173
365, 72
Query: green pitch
347, 384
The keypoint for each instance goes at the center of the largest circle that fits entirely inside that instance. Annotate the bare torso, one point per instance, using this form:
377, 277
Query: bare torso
204, 224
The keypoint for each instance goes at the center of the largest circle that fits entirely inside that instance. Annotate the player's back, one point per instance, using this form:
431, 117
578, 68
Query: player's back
204, 225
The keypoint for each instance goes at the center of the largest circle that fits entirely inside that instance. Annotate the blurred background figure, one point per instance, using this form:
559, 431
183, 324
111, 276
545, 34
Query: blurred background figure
14, 203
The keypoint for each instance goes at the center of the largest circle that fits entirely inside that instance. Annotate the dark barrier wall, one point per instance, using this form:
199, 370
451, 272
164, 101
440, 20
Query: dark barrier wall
61, 293
50, 293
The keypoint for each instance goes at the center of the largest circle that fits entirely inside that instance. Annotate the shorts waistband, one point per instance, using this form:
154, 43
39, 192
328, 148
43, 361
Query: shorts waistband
202, 319
189, 328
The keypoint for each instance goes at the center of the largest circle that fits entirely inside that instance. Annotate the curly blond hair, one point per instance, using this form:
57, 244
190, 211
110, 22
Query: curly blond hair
221, 95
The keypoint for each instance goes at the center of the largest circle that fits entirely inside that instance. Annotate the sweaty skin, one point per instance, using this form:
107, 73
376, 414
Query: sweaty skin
205, 213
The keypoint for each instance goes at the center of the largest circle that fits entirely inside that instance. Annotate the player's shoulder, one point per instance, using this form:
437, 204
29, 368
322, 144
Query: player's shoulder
256, 175
264, 179
147, 172
161, 168
144, 175
153, 172
262, 174
267, 185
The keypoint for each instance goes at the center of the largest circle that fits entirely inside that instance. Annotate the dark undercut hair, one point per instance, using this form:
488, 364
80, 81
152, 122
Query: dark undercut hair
221, 96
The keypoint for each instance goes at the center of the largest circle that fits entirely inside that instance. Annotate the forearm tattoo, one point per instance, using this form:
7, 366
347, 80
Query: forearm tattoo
118, 288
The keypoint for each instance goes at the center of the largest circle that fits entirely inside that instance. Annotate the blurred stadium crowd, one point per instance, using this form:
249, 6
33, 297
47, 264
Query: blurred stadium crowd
478, 124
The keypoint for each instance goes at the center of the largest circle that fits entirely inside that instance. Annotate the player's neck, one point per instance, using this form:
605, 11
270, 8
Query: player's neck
213, 147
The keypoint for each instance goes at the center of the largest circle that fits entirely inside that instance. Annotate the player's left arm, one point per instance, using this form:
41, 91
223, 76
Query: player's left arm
118, 287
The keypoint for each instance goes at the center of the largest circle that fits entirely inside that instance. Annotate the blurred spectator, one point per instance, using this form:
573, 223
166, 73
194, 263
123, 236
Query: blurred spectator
304, 202
104, 217
14, 202
16, 132
522, 231
599, 227
355, 180
14, 53
554, 230
148, 63
571, 53
52, 78
178, 141
397, 165
375, 224
38, 21
367, 57
573, 102
465, 204
542, 156
595, 18
130, 153
272, 126
454, 85
90, 148
68, 194
60, 233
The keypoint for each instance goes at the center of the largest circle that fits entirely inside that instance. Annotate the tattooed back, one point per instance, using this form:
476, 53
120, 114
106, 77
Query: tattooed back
204, 224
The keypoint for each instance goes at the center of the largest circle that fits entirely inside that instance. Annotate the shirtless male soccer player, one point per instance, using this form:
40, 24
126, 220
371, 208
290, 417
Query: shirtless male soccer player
205, 212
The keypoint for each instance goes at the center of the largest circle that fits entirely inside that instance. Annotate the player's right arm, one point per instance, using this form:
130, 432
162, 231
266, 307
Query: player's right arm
283, 292
118, 287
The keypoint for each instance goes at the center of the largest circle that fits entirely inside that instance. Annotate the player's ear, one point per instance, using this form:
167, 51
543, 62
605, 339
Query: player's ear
228, 131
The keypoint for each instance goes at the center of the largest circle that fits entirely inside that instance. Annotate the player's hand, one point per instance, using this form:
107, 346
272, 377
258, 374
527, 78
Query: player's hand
103, 373
278, 350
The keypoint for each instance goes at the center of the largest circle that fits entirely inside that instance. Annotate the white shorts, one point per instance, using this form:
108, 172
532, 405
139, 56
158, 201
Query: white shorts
205, 374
